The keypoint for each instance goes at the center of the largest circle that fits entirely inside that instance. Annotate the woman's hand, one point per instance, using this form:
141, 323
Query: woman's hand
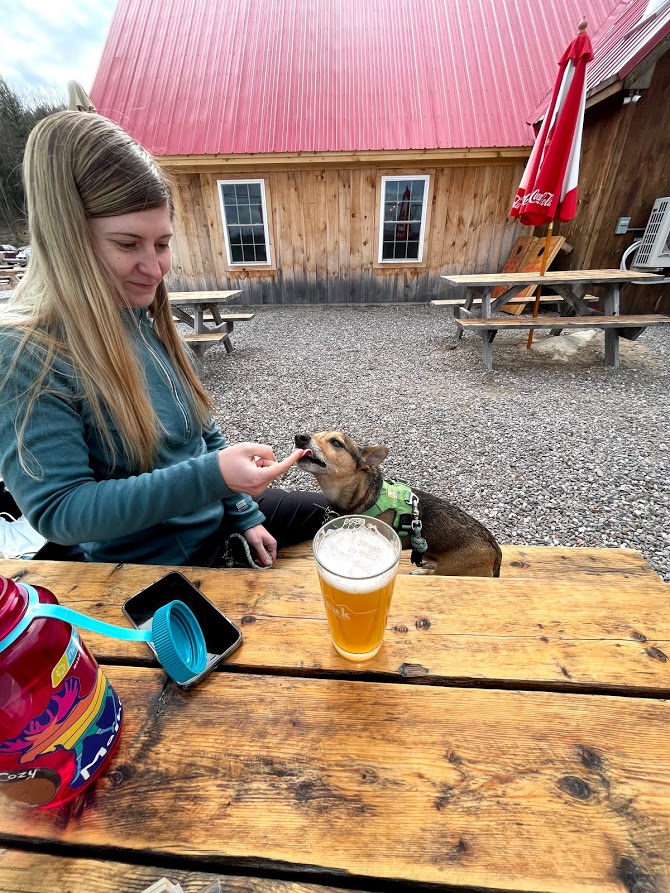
251, 467
262, 543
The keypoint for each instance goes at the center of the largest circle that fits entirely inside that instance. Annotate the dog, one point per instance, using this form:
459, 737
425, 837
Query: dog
352, 482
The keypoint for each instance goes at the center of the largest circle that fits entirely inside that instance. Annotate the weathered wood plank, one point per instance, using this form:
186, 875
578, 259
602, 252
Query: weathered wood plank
202, 297
499, 790
558, 276
569, 322
545, 299
205, 338
593, 634
536, 562
212, 206
25, 872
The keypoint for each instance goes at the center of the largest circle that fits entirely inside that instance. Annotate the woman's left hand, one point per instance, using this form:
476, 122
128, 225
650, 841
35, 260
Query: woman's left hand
263, 544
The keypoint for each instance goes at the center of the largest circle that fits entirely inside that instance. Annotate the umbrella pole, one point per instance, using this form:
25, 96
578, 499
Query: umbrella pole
543, 270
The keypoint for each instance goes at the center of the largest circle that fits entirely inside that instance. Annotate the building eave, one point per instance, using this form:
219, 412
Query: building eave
390, 159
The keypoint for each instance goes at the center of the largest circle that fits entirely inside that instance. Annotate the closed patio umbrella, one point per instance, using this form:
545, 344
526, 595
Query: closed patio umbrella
78, 99
548, 188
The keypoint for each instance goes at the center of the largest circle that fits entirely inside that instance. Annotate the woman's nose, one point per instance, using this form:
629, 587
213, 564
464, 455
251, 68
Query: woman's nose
150, 266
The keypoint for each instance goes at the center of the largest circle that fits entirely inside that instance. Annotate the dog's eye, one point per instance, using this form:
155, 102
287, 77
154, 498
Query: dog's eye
336, 443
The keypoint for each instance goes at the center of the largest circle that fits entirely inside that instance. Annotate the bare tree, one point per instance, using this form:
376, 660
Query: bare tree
18, 115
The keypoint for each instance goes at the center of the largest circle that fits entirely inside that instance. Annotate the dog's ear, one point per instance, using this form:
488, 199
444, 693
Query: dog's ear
374, 455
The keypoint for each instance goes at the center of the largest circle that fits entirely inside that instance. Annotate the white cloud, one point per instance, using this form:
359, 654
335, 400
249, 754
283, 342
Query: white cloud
49, 42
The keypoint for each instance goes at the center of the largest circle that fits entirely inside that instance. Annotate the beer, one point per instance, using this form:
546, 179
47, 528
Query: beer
357, 560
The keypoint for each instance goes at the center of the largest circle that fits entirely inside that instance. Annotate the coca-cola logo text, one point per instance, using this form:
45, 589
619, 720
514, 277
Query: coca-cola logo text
543, 199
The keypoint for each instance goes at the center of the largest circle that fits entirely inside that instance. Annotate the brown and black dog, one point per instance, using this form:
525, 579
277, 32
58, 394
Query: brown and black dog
351, 481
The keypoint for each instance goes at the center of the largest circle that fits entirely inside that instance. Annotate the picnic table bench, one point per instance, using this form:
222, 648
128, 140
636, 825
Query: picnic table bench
205, 312
11, 276
510, 735
570, 285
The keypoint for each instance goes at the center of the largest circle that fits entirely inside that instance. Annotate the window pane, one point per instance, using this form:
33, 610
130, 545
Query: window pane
236, 254
401, 232
242, 193
247, 235
390, 210
254, 193
259, 235
231, 214
249, 253
391, 191
400, 250
413, 231
415, 211
235, 235
261, 254
387, 251
412, 250
417, 190
257, 213
229, 194
245, 213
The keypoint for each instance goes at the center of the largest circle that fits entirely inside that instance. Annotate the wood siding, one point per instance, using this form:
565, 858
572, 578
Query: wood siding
323, 225
624, 168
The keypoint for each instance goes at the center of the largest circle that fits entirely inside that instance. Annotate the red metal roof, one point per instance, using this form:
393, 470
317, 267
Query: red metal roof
621, 42
255, 76
620, 45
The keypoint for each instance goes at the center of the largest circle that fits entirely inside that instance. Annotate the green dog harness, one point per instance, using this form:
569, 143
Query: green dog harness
397, 496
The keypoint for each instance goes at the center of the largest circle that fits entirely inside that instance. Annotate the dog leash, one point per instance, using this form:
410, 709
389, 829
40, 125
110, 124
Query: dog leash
417, 542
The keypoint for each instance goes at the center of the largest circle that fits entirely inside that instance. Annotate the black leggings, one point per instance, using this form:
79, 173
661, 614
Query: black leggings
290, 516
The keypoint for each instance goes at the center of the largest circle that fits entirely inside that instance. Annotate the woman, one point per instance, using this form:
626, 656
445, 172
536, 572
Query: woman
106, 433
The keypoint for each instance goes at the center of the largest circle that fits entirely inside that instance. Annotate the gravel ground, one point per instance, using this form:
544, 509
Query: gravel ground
545, 451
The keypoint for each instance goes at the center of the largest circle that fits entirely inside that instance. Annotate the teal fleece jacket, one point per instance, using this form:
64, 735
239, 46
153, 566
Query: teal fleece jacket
116, 515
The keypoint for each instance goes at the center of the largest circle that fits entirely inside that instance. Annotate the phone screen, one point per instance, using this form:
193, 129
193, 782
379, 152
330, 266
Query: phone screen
222, 636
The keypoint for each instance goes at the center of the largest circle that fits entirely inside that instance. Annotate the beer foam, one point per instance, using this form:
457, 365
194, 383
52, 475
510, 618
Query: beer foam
356, 559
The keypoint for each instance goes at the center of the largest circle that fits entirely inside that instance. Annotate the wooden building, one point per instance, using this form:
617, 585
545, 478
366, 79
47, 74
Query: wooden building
336, 152
323, 218
625, 164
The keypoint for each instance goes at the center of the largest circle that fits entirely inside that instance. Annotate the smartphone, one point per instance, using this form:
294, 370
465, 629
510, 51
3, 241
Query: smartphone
222, 636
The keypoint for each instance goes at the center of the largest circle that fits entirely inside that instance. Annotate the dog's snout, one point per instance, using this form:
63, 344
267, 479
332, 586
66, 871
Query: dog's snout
302, 441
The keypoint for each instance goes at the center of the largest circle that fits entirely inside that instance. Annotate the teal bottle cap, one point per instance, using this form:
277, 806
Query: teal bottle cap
179, 641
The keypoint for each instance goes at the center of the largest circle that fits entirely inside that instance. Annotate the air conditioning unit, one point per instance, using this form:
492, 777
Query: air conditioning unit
654, 250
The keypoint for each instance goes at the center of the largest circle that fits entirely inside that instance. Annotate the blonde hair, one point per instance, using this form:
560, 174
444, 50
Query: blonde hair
80, 166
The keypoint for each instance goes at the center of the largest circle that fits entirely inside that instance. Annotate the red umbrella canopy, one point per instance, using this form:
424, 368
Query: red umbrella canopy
548, 188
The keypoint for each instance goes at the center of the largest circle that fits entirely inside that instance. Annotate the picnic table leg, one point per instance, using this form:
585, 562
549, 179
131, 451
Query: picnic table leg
466, 308
612, 335
486, 303
573, 304
227, 343
487, 349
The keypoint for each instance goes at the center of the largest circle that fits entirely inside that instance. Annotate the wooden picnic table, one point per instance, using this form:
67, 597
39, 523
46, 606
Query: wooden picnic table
571, 286
190, 307
510, 735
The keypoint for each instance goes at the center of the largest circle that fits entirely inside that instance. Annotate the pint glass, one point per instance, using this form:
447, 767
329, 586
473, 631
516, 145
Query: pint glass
357, 561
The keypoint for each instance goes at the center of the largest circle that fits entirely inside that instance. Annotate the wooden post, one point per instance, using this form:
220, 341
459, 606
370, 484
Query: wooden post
543, 270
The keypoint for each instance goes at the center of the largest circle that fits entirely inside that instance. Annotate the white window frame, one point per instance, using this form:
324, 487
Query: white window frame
245, 263
422, 229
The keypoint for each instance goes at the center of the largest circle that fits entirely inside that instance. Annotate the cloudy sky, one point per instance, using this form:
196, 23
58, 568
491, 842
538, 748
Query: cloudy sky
47, 43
